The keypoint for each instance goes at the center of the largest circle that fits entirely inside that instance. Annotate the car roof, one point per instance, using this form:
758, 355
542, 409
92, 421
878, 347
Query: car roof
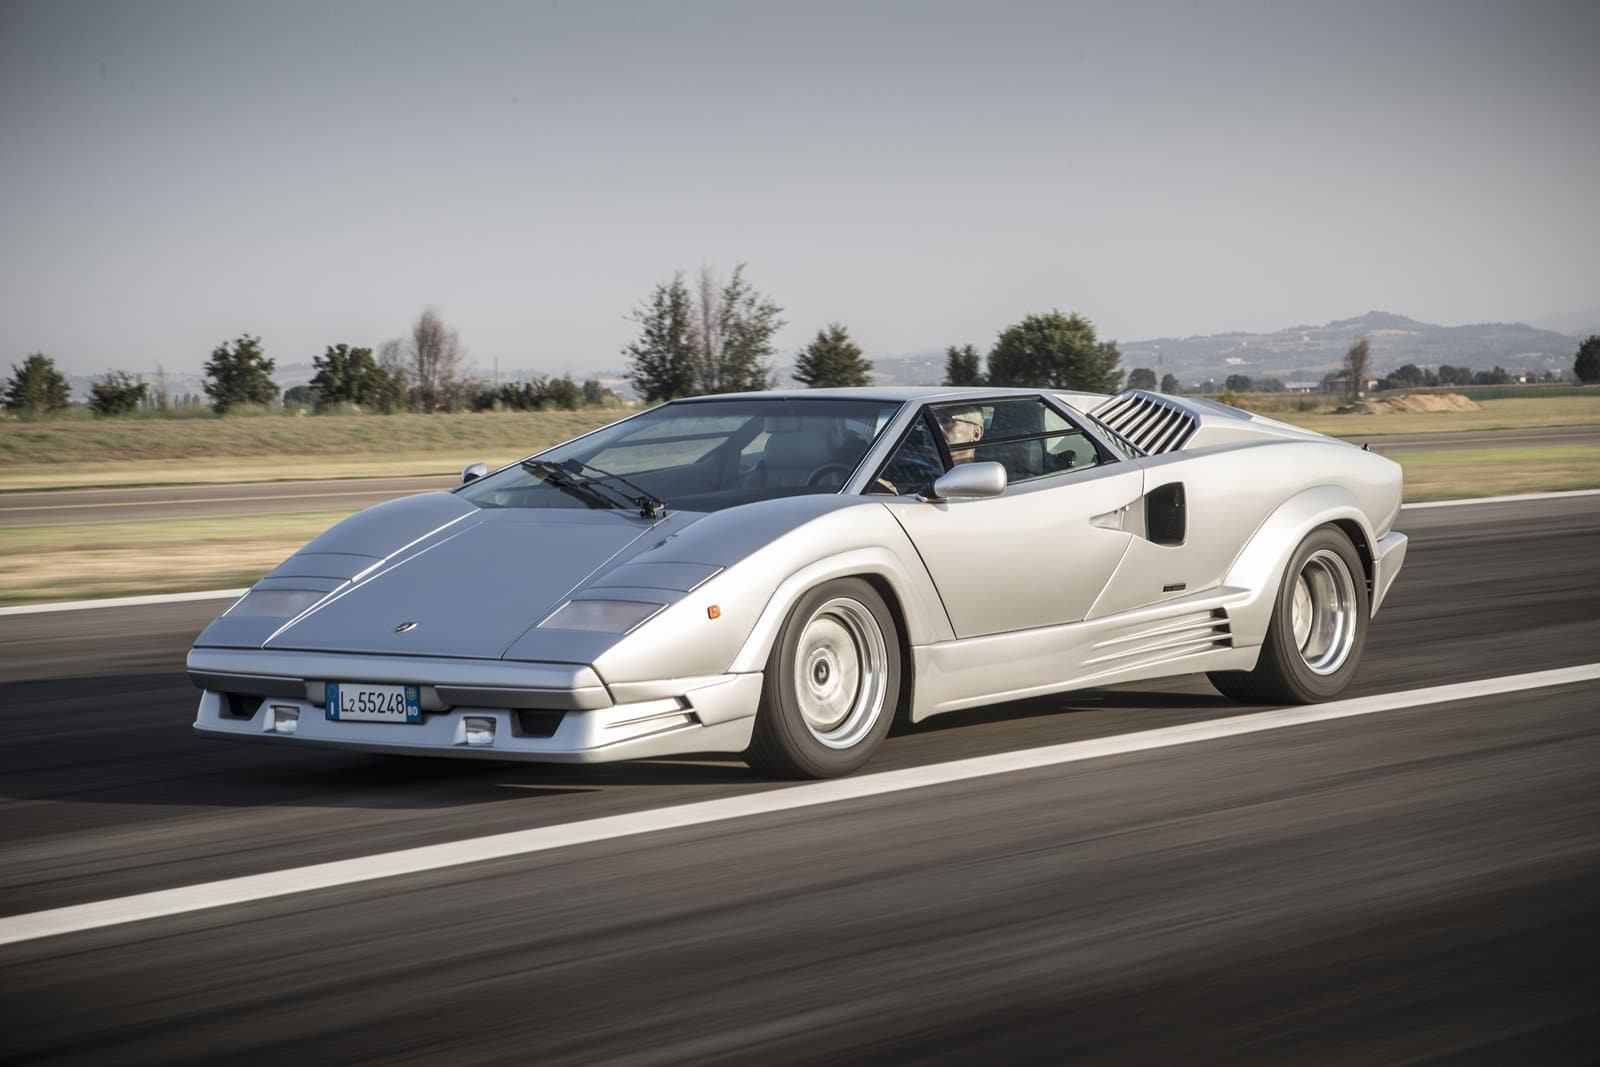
889, 393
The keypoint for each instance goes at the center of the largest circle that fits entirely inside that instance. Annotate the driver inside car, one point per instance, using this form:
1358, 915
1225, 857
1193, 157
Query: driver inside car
917, 463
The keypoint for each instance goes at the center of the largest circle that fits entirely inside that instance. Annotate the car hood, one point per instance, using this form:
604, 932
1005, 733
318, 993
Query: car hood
441, 577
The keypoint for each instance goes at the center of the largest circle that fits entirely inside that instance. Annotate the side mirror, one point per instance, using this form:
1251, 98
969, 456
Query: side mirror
970, 480
473, 471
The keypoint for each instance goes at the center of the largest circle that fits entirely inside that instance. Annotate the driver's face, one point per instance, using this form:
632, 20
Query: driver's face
961, 427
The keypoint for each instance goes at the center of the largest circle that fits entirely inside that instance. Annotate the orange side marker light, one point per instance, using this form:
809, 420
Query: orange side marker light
713, 612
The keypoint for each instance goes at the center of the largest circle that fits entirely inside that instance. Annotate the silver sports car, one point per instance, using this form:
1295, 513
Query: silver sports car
783, 574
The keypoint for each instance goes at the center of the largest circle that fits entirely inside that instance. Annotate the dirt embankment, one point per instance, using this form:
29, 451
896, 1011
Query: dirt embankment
1415, 404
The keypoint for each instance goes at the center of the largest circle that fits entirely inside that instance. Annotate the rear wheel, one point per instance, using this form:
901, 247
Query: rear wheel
831, 684
1318, 629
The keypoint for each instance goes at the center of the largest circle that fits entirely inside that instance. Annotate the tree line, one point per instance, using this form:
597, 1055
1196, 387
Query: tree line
715, 337
424, 371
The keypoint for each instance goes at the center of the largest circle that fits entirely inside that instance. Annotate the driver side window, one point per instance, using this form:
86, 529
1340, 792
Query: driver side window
915, 465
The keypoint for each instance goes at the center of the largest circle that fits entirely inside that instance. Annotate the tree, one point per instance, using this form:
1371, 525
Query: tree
348, 375
961, 366
1270, 385
116, 394
301, 397
1238, 383
37, 387
240, 374
1170, 384
661, 362
1586, 365
1449, 375
732, 334
1142, 378
562, 393
831, 361
1498, 376
1356, 362
594, 394
1056, 351
435, 362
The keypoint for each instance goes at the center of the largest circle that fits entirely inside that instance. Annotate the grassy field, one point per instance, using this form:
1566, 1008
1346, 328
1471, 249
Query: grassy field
82, 561
148, 451
1499, 471
123, 558
102, 559
1507, 414
74, 453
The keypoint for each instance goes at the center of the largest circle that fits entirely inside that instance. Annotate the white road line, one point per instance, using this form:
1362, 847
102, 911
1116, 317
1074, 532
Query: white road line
123, 601
523, 842
1562, 495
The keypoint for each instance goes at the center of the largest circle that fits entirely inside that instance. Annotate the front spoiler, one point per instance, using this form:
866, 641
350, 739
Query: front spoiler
701, 715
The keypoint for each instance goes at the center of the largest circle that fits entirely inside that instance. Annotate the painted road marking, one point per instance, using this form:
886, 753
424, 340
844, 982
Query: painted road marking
542, 839
124, 601
1562, 495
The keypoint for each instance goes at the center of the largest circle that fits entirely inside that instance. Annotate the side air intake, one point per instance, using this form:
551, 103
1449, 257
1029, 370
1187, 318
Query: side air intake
1149, 420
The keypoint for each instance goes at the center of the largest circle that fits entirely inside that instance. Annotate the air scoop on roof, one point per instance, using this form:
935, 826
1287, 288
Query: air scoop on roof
1149, 420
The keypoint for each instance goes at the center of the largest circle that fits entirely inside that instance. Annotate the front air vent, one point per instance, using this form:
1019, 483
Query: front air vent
1149, 420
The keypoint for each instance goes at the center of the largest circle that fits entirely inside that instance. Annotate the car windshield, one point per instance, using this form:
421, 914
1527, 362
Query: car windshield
697, 455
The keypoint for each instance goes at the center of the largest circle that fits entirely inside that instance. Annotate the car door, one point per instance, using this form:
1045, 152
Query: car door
1039, 554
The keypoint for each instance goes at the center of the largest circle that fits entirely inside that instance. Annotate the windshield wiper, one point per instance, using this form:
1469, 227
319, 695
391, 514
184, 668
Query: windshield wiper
568, 475
650, 506
586, 490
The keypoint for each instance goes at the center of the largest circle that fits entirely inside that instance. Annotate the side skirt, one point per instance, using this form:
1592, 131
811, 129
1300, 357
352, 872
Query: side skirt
1178, 637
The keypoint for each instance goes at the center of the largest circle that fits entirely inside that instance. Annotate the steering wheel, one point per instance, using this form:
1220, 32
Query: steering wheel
820, 477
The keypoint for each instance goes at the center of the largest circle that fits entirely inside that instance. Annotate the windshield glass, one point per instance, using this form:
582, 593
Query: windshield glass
700, 455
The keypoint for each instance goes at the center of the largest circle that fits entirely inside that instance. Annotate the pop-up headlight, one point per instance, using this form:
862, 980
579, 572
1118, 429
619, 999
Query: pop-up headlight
604, 616
274, 603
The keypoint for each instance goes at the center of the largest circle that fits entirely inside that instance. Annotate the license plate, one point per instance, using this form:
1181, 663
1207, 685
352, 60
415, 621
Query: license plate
358, 702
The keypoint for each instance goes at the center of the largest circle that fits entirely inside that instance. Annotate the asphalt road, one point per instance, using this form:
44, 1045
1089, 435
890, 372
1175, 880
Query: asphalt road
68, 506
1419, 884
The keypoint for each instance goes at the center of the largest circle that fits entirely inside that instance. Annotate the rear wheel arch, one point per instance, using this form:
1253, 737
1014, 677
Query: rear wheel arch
1363, 547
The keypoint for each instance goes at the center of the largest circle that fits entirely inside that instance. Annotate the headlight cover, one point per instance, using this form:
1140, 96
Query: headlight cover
602, 616
274, 603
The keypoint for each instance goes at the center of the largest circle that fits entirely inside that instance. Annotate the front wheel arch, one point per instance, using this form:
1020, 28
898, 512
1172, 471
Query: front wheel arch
831, 684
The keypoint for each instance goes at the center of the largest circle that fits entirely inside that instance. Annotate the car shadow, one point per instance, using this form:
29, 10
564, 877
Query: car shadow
128, 739
1079, 701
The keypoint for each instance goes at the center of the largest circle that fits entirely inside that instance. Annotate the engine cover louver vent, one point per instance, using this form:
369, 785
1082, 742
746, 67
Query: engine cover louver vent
1149, 420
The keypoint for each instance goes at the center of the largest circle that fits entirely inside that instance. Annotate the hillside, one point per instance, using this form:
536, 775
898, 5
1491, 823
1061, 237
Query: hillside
1306, 353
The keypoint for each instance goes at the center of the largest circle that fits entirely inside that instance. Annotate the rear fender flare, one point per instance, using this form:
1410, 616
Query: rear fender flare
1259, 566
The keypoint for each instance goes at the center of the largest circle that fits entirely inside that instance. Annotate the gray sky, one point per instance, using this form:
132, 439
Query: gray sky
176, 174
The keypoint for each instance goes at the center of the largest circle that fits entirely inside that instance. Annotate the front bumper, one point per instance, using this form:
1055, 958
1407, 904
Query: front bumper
556, 713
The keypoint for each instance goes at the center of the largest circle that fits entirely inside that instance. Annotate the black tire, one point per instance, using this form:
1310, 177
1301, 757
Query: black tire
1326, 577
829, 720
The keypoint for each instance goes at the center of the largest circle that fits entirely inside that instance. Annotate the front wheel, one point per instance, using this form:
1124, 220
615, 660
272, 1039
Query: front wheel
1318, 629
831, 684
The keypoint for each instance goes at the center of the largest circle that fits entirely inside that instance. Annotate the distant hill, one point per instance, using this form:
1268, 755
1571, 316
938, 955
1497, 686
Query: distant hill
1306, 353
